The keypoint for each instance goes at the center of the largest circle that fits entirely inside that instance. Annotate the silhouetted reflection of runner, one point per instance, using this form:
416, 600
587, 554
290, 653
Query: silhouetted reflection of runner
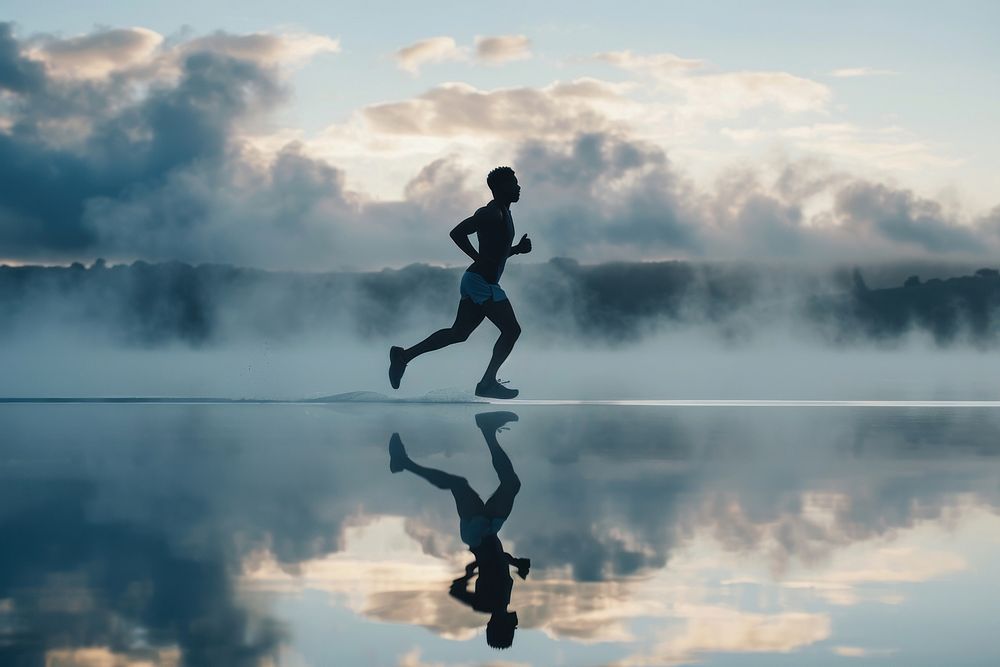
482, 296
479, 523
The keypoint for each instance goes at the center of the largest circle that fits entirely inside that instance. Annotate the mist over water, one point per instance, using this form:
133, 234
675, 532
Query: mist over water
665, 367
614, 331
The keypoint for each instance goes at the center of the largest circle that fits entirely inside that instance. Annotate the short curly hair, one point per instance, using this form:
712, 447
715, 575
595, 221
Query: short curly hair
495, 177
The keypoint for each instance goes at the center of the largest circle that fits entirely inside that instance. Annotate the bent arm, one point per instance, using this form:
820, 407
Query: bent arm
469, 570
463, 596
523, 565
460, 235
458, 588
522, 247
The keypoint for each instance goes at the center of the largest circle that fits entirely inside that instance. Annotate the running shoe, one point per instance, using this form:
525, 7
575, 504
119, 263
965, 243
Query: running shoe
396, 366
494, 389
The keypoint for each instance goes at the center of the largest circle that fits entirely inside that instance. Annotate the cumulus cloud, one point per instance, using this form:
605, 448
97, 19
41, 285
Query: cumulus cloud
842, 584
129, 149
673, 101
889, 148
18, 73
502, 49
93, 162
602, 195
489, 50
98, 54
734, 92
279, 211
267, 48
456, 109
902, 217
855, 72
659, 64
105, 656
141, 53
720, 94
597, 189
152, 160
720, 630
432, 50
188, 603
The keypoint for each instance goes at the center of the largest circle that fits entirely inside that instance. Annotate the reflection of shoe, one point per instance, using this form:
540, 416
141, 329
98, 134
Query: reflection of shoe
491, 421
397, 454
494, 389
523, 566
396, 366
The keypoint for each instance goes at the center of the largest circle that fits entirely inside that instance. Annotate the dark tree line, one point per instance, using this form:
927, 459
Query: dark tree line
149, 304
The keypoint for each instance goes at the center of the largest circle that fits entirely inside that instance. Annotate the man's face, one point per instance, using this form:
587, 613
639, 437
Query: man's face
512, 189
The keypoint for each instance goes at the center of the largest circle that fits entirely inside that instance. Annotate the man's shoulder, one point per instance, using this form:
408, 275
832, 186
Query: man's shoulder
489, 211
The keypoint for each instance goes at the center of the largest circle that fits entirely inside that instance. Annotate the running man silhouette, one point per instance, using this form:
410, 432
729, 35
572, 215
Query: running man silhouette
482, 296
479, 523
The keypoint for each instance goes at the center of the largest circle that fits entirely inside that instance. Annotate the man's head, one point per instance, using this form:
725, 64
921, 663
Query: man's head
500, 629
503, 184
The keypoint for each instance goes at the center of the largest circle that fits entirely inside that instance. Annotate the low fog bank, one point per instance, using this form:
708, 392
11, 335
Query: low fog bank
152, 305
667, 366
615, 331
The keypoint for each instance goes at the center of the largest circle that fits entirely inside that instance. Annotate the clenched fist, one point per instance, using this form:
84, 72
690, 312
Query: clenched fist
523, 246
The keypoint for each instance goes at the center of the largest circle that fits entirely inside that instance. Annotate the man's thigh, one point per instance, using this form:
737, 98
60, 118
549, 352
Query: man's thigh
469, 316
467, 501
500, 504
501, 314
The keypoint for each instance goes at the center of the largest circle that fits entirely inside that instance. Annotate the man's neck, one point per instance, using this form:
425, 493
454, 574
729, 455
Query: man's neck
504, 206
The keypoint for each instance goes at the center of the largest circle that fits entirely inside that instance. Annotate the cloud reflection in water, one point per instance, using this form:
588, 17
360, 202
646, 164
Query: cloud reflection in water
655, 535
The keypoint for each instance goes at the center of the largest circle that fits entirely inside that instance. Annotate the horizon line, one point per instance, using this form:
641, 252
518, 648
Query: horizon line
747, 403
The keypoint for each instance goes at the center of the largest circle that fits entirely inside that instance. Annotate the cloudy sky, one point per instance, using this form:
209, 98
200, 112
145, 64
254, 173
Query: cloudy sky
316, 136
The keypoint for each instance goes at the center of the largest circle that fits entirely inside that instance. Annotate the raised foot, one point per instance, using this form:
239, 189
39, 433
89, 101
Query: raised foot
494, 389
491, 421
397, 366
397, 454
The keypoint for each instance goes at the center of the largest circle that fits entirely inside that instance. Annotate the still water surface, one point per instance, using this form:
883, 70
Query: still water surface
646, 535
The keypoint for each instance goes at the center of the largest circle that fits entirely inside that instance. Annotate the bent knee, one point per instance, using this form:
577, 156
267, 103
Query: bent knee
460, 335
457, 485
